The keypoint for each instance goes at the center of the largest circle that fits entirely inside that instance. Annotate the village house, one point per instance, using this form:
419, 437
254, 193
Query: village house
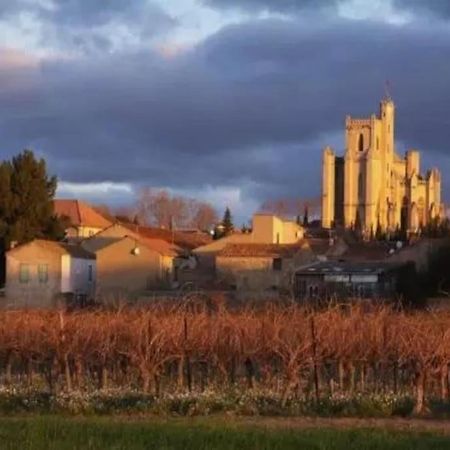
325, 280
83, 220
261, 267
129, 264
187, 240
266, 229
42, 273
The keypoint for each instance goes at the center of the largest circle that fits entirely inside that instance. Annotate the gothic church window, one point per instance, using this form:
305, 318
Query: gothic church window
361, 142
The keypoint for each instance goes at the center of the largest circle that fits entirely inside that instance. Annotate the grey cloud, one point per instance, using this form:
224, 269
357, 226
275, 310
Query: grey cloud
279, 6
437, 8
250, 107
91, 25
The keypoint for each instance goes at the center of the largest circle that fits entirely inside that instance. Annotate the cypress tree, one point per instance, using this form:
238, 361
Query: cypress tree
227, 222
306, 216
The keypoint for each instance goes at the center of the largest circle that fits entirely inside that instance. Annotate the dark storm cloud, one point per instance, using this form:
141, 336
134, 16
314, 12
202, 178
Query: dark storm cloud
434, 8
80, 24
437, 8
280, 6
250, 107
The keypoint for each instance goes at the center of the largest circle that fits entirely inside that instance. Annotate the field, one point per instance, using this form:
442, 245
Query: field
204, 358
50, 433
204, 376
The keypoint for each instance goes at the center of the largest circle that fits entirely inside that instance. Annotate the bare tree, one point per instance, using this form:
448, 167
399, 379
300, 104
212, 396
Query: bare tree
205, 216
292, 207
159, 208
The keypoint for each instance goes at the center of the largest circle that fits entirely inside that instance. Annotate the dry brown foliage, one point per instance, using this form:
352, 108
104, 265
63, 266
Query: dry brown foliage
286, 349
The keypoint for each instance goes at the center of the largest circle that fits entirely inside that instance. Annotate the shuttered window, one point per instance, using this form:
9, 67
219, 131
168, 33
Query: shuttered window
24, 273
43, 273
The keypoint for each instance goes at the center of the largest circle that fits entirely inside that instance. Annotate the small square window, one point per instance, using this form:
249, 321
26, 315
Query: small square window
24, 273
43, 273
277, 264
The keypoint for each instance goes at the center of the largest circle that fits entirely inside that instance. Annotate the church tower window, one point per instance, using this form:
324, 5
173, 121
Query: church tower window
361, 142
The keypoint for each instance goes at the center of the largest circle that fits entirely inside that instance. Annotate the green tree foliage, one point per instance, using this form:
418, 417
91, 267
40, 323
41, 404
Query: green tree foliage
306, 216
227, 222
26, 194
225, 227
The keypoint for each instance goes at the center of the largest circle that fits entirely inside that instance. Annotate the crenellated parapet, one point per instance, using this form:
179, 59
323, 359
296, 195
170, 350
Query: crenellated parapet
357, 123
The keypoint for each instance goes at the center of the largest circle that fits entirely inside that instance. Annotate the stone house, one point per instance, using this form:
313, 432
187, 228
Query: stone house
261, 267
128, 264
41, 273
266, 229
83, 219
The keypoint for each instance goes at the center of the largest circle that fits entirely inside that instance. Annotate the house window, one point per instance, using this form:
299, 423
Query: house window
43, 273
277, 264
90, 272
24, 273
278, 238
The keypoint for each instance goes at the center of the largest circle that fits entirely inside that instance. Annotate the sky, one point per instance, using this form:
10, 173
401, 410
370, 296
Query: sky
229, 101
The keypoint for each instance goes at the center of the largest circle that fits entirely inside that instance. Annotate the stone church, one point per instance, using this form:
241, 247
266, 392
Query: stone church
371, 186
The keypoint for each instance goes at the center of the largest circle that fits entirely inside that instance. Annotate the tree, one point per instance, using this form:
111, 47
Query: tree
26, 209
292, 207
227, 222
305, 217
158, 208
161, 209
205, 216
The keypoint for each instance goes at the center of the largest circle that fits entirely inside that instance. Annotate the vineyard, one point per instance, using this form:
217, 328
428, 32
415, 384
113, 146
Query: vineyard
285, 350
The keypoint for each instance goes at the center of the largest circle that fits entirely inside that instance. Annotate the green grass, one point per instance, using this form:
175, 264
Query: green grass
60, 433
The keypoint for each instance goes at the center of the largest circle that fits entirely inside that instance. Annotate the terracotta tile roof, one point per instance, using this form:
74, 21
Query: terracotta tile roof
215, 246
80, 213
117, 232
62, 248
185, 240
261, 250
162, 247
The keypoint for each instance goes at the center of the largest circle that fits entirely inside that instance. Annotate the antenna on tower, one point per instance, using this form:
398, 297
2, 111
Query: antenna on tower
387, 90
